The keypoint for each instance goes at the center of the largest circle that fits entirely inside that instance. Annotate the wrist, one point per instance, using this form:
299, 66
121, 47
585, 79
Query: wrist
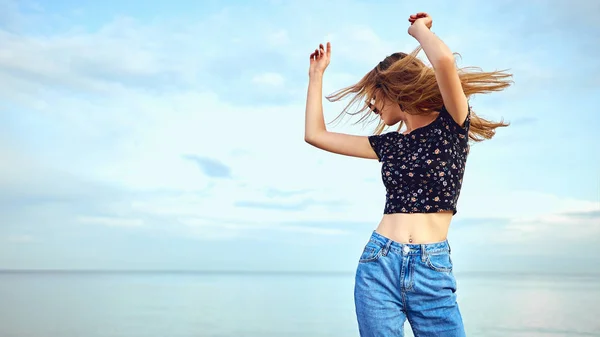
315, 75
418, 30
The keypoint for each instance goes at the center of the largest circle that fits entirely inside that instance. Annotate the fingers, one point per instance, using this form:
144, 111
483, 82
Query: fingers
317, 53
321, 51
418, 16
414, 17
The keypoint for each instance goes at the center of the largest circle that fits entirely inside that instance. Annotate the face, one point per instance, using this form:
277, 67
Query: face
389, 112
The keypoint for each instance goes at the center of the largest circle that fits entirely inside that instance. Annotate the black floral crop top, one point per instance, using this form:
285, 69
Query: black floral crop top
422, 171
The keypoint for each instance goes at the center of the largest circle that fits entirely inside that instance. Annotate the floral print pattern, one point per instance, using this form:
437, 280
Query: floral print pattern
423, 170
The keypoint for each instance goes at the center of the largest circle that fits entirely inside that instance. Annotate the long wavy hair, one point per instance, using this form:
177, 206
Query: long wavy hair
408, 81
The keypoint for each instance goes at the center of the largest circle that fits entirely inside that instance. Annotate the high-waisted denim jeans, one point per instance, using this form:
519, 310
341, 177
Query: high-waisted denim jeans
396, 282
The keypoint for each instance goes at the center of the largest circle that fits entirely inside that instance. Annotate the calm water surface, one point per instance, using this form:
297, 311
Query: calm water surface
155, 304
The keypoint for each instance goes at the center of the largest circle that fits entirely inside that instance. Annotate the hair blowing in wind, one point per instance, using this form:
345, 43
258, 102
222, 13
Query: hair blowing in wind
406, 80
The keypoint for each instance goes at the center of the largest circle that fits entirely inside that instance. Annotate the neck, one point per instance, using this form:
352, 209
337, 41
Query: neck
418, 121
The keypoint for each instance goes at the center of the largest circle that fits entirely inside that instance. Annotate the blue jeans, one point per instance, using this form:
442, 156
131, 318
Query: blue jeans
395, 282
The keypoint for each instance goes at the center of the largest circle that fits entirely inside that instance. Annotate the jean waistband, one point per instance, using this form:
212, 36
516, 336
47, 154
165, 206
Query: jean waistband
410, 248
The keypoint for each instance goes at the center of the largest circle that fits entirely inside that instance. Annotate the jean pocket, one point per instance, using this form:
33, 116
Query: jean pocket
371, 252
441, 262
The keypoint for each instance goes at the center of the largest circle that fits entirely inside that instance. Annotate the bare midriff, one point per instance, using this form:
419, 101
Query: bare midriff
415, 228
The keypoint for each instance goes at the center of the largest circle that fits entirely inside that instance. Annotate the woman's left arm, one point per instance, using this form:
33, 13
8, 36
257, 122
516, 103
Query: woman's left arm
442, 61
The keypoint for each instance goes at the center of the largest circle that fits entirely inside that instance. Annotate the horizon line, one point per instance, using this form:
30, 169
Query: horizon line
268, 272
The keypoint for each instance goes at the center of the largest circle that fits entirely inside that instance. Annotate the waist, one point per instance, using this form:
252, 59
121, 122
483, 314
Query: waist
418, 228
410, 248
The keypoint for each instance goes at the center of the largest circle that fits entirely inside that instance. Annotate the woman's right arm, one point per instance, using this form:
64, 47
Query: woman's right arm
315, 132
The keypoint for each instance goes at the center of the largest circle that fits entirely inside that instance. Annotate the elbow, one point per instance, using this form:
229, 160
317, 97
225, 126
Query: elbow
311, 138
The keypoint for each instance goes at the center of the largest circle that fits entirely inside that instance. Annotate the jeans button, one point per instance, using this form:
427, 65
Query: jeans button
406, 249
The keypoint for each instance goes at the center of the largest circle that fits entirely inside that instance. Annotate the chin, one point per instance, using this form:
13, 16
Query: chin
391, 122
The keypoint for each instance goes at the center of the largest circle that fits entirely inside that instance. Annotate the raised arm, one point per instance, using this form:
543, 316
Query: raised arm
442, 61
315, 132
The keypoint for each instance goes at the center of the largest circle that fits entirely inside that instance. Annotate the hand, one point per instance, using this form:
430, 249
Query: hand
319, 60
419, 21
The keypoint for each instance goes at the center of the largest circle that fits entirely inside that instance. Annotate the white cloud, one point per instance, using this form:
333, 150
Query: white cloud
553, 227
111, 221
270, 79
21, 239
486, 202
205, 229
361, 44
279, 38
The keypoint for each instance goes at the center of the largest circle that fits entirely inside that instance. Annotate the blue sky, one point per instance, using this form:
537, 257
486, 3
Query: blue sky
170, 135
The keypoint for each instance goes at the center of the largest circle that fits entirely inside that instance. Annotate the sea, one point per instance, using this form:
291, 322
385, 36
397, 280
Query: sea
269, 304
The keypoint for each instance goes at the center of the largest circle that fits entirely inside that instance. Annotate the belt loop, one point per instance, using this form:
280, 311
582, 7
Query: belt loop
386, 249
423, 253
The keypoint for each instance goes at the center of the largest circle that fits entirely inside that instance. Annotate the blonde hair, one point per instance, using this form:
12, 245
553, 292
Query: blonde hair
406, 80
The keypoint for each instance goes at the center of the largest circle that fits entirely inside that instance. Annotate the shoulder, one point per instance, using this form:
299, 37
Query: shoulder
452, 125
384, 138
382, 142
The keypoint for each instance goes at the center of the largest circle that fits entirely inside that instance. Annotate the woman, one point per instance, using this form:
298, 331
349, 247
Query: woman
405, 270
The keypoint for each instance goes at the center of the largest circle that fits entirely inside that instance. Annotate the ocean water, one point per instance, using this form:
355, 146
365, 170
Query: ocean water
186, 304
